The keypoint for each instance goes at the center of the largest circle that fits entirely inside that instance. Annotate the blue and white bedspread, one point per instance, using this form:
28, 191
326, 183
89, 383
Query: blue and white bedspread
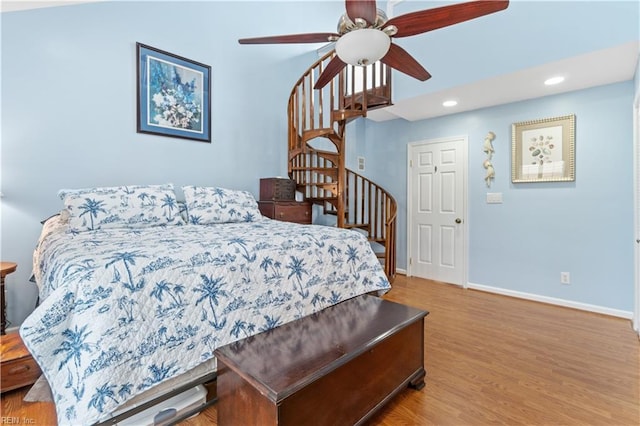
123, 310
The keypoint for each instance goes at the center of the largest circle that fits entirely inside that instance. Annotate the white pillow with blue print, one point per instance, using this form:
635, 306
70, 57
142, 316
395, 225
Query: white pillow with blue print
134, 206
210, 205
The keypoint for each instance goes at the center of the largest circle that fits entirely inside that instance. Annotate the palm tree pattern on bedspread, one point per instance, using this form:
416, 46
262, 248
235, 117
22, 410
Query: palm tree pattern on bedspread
124, 309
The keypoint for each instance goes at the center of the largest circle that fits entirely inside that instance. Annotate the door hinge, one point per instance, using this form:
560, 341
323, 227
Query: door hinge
410, 163
410, 261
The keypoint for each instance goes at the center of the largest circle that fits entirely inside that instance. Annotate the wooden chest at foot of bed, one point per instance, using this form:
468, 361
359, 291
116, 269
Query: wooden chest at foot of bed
334, 367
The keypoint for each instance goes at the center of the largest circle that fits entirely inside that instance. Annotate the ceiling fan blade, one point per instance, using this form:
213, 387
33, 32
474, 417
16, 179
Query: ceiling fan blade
292, 38
365, 9
398, 59
333, 68
439, 17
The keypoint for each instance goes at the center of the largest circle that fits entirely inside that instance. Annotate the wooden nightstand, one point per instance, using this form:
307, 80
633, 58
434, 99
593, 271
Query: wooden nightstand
288, 211
5, 269
17, 366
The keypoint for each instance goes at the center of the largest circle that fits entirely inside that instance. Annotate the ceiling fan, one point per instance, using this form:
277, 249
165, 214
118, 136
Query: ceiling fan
364, 35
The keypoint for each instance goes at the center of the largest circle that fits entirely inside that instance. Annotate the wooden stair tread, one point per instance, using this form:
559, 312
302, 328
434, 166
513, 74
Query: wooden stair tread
373, 101
327, 170
326, 154
346, 114
321, 199
307, 135
364, 226
319, 184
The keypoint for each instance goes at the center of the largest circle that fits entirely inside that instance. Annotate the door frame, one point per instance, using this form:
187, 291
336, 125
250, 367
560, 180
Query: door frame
465, 199
636, 204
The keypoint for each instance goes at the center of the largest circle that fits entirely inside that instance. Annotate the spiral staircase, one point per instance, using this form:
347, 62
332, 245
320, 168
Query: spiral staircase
317, 124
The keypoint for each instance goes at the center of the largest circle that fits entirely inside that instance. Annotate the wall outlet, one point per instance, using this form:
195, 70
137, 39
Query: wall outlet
565, 278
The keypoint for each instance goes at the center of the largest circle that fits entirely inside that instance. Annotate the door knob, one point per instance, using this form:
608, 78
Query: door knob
458, 220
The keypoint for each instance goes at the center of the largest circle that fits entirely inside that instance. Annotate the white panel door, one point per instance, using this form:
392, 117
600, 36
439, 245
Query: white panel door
437, 210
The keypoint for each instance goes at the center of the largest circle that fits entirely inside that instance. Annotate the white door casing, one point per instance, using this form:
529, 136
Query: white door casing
436, 209
636, 171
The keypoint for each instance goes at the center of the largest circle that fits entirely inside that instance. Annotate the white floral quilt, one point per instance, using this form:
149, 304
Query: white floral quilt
123, 310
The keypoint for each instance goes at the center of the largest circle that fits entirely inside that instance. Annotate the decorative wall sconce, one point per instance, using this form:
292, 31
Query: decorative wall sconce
490, 175
487, 147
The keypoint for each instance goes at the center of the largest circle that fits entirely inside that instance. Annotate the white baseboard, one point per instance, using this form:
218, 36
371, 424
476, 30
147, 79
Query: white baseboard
401, 271
553, 301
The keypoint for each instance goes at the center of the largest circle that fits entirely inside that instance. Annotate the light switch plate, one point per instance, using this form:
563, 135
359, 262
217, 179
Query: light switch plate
494, 197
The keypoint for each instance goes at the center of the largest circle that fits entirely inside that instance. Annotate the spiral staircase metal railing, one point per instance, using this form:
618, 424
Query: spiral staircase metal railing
317, 124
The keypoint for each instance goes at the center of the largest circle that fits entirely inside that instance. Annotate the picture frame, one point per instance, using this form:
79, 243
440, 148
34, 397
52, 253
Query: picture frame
543, 150
173, 95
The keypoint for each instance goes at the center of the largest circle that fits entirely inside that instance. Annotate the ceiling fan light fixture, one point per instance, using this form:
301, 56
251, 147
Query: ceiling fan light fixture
391, 30
360, 23
363, 47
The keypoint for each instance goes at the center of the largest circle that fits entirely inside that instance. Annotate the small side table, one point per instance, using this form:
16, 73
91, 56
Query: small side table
17, 366
5, 269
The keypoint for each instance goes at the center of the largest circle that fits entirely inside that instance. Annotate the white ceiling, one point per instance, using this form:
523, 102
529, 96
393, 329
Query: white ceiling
12, 6
599, 67
612, 65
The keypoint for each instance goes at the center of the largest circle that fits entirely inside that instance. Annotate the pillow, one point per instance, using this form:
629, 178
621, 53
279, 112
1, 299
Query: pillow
182, 208
136, 206
209, 205
43, 221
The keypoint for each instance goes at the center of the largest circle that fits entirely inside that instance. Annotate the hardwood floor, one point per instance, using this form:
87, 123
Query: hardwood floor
492, 359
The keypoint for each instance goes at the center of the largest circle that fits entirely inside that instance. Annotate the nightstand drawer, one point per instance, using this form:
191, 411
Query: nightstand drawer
286, 211
293, 213
17, 367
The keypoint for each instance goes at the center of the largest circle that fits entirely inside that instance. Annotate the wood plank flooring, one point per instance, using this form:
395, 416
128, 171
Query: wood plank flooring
492, 359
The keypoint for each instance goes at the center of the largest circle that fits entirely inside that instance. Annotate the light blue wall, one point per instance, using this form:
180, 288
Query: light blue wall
69, 106
584, 227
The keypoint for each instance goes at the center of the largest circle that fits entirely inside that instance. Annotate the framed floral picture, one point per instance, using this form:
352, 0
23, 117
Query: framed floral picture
174, 95
543, 150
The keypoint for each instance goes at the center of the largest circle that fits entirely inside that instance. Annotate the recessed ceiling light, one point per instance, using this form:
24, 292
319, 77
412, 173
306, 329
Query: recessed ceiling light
450, 103
554, 80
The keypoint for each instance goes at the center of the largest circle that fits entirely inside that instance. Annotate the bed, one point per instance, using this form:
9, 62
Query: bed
133, 293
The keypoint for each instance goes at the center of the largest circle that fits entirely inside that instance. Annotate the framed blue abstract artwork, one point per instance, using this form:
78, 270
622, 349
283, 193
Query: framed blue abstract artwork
174, 95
